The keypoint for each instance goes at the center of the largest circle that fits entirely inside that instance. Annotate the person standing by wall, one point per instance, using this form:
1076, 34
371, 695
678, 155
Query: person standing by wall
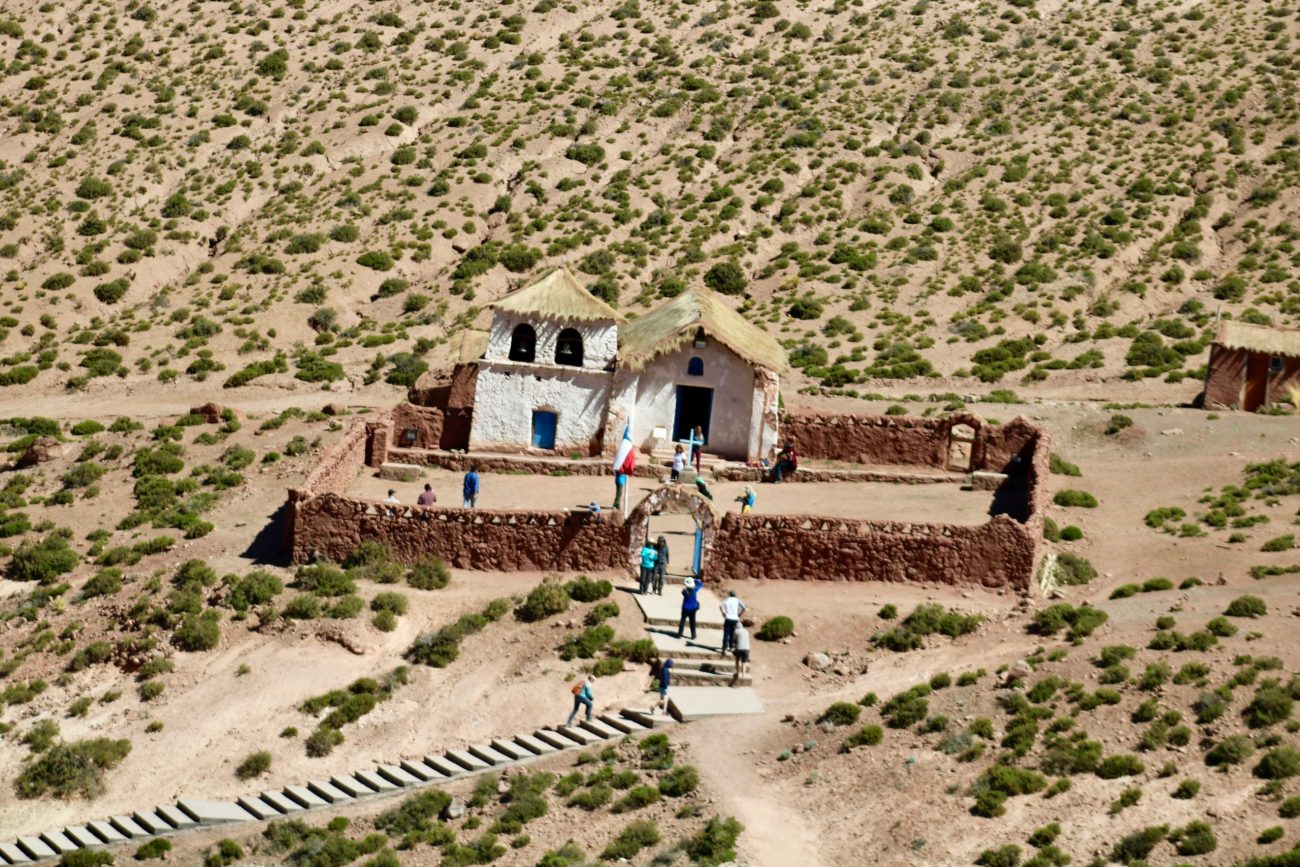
731, 608
690, 605
741, 652
620, 488
661, 564
697, 446
679, 464
581, 696
471, 488
648, 557
427, 497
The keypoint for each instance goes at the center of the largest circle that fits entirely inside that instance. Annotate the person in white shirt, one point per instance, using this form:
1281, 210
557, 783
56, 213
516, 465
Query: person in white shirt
391, 500
741, 653
679, 464
731, 608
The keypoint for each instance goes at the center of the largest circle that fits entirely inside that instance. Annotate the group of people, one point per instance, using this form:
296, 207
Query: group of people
735, 629
654, 565
470, 488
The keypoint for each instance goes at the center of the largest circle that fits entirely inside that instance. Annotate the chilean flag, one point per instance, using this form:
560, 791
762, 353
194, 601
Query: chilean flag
625, 457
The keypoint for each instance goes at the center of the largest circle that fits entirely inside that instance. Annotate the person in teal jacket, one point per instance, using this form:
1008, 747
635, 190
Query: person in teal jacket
648, 558
581, 696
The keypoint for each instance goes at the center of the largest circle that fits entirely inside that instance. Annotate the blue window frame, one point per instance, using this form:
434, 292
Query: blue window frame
695, 367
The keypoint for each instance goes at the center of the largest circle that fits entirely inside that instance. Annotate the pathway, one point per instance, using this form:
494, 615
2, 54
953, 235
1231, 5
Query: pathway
340, 790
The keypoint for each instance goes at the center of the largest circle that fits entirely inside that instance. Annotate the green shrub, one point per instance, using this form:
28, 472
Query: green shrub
394, 603
1290, 808
841, 713
589, 154
418, 812
1280, 543
1072, 498
776, 629
715, 843
1186, 790
68, 770
198, 632
638, 835
1007, 856
1118, 423
583, 589
1197, 838
1278, 763
1271, 705
593, 798
155, 848
1138, 845
868, 735
254, 765
429, 573
546, 599
1073, 569
1232, 750
1061, 467
1246, 606
86, 857
681, 780
1071, 533
42, 561
1114, 767
636, 798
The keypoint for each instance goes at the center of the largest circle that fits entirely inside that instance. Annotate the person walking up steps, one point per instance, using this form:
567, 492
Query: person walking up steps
471, 488
690, 605
648, 557
661, 564
665, 678
731, 609
741, 652
581, 696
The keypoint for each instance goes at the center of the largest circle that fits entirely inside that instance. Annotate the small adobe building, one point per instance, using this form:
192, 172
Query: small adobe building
1251, 366
560, 371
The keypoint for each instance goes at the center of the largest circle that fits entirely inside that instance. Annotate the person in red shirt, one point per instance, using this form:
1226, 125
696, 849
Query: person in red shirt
428, 498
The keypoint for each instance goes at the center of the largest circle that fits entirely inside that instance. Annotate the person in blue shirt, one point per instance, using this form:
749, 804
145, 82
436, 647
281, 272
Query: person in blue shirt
581, 696
620, 486
747, 500
648, 557
690, 605
471, 488
665, 679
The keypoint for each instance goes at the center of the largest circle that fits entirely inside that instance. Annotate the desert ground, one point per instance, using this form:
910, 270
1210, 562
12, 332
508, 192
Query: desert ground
1037, 207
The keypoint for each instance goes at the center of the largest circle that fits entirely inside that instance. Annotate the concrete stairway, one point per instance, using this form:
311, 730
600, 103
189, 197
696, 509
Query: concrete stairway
412, 773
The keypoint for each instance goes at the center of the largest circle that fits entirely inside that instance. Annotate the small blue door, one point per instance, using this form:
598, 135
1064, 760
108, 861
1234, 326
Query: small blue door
543, 429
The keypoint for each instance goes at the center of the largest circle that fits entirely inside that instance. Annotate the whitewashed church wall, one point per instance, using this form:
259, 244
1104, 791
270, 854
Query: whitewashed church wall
732, 381
507, 394
599, 339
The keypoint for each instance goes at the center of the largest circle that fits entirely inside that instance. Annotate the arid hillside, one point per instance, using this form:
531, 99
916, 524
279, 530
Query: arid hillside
1008, 191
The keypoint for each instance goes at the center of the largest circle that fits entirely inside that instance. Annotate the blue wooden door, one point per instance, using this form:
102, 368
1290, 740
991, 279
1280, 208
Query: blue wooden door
543, 429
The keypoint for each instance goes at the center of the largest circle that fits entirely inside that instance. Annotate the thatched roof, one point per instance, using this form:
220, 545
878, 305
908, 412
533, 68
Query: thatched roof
473, 343
1258, 338
558, 295
674, 324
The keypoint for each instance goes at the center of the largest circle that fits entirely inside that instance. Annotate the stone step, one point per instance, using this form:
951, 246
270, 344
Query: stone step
105, 831
556, 740
705, 645
151, 822
489, 755
304, 797
13, 855
444, 766
212, 812
328, 792
512, 751
82, 836
709, 678
467, 760
175, 817
623, 724
421, 771
580, 736
59, 842
353, 786
376, 781
279, 802
396, 775
35, 848
645, 719
534, 745
600, 729
259, 808
699, 702
666, 610
128, 826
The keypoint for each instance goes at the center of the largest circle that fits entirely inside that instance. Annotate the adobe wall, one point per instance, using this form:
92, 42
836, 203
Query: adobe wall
425, 421
1224, 377
1000, 553
330, 526
879, 439
341, 462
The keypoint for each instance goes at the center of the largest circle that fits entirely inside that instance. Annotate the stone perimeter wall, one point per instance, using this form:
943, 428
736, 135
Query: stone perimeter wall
1004, 552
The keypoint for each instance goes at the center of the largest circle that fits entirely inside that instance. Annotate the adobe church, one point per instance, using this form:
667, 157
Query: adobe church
561, 371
